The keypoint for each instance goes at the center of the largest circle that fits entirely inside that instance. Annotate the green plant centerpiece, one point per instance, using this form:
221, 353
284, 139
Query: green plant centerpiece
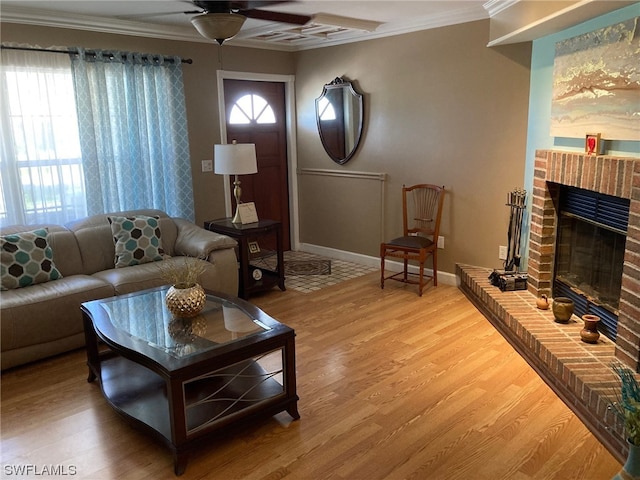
627, 403
626, 406
185, 298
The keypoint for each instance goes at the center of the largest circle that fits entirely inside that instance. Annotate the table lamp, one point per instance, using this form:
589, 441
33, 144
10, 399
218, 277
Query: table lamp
235, 159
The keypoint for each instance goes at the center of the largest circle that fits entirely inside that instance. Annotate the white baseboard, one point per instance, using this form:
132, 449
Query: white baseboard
443, 277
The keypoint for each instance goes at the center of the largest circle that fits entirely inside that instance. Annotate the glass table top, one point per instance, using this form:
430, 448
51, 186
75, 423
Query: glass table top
145, 317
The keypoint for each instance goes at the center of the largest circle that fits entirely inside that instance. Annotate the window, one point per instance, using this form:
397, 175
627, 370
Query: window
92, 133
327, 112
41, 177
251, 108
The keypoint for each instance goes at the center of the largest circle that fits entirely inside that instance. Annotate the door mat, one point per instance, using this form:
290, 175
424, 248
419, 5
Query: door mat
307, 267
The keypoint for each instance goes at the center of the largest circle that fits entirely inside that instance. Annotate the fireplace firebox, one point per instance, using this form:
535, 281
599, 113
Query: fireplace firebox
590, 249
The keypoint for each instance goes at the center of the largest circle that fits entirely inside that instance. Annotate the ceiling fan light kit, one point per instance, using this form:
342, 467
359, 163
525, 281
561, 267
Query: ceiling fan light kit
218, 26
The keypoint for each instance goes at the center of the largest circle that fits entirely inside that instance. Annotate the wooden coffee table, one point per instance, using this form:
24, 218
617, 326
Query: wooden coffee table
183, 380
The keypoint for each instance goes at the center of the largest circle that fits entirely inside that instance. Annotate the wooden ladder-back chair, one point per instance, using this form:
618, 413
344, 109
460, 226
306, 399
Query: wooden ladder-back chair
422, 211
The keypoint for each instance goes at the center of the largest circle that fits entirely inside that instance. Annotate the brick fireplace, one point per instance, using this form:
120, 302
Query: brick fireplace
616, 176
579, 373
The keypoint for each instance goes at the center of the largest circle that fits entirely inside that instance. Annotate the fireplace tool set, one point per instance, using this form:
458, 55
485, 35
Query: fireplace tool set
511, 278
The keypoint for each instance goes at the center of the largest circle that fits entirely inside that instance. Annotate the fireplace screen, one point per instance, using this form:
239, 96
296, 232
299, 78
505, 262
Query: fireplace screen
590, 248
589, 259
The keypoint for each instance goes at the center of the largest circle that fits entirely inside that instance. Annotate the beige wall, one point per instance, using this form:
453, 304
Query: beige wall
441, 108
200, 88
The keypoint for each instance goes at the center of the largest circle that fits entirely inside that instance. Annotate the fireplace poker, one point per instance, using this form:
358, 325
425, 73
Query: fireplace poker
508, 279
516, 200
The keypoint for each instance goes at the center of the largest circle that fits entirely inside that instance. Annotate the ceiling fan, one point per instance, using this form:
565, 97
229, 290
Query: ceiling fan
221, 21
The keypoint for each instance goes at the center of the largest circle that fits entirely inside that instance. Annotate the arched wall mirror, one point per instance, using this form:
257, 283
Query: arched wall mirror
340, 115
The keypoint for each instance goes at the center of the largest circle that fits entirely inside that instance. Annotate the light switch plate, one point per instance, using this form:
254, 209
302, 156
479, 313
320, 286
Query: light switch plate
207, 165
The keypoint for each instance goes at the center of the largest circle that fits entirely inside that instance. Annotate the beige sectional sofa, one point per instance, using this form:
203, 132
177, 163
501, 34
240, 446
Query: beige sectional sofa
44, 319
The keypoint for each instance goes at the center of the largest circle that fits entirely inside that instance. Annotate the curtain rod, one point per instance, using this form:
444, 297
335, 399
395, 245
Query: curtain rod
74, 51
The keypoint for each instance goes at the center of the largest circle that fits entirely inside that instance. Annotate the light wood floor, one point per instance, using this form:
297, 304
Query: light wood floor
391, 386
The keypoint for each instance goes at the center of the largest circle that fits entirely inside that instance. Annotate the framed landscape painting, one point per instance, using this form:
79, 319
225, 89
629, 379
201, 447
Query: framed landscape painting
596, 84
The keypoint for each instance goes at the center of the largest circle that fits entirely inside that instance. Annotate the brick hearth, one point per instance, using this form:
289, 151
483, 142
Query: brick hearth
578, 372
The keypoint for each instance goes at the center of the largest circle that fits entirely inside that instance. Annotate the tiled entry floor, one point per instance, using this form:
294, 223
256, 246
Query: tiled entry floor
340, 271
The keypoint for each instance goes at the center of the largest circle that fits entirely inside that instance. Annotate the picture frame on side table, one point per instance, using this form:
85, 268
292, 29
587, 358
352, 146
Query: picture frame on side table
248, 213
254, 247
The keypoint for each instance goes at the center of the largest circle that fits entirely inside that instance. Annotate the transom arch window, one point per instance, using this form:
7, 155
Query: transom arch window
327, 112
251, 108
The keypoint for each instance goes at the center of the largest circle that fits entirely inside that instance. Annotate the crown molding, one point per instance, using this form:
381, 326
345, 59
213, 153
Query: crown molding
469, 14
47, 18
494, 7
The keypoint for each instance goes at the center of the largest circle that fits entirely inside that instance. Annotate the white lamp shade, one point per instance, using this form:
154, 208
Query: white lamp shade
235, 159
218, 26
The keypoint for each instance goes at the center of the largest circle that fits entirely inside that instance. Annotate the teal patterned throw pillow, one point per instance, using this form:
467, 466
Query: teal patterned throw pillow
26, 259
137, 240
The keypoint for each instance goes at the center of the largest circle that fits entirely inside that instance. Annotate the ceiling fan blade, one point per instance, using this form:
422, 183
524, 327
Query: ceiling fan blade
218, 6
137, 16
281, 17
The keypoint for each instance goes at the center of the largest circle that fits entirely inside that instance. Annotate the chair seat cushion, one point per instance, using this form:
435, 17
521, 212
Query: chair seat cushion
412, 241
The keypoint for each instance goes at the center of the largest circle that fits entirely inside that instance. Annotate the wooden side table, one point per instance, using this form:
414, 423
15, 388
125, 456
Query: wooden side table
253, 278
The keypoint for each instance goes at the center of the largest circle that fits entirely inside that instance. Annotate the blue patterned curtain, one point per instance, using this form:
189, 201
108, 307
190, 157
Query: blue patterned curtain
133, 132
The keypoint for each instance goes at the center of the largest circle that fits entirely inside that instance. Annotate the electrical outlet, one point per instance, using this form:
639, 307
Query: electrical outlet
207, 165
502, 252
441, 242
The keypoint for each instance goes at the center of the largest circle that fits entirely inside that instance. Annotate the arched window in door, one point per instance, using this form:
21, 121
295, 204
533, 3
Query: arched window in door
251, 108
327, 112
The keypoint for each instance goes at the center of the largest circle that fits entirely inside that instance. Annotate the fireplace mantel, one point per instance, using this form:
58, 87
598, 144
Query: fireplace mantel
610, 175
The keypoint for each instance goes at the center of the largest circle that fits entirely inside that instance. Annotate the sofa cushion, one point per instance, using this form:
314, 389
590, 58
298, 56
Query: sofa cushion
137, 240
95, 240
134, 278
48, 311
66, 254
26, 259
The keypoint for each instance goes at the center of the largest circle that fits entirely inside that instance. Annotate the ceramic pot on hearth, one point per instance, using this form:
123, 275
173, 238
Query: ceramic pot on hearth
590, 334
562, 308
543, 302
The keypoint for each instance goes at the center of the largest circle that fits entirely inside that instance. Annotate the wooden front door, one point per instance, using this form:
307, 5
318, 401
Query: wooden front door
255, 113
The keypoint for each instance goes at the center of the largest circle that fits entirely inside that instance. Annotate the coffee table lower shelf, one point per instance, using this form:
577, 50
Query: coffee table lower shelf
213, 401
